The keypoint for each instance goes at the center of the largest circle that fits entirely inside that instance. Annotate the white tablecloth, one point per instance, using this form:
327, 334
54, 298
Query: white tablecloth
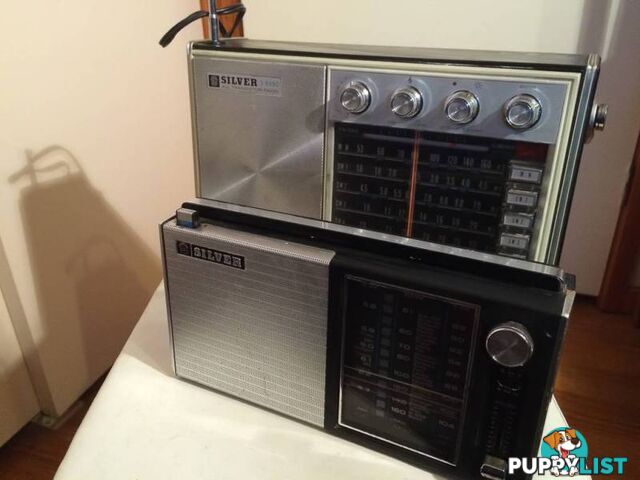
145, 424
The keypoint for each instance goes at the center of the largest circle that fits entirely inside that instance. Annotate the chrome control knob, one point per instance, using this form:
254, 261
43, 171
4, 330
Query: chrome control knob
406, 102
599, 116
509, 344
597, 120
462, 106
356, 97
522, 111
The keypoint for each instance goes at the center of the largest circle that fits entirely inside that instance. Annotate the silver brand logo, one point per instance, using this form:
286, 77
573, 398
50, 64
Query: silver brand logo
210, 255
271, 86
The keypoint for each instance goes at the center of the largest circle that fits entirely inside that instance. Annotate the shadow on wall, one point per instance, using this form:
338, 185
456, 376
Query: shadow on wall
93, 275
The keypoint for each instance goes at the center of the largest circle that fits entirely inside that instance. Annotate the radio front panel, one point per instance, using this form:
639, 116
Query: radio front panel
412, 351
406, 359
473, 152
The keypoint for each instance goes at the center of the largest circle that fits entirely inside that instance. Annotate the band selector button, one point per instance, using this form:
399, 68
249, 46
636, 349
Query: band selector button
493, 468
186, 217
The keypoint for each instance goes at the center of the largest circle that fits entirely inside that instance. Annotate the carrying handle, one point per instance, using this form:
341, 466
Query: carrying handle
173, 31
216, 27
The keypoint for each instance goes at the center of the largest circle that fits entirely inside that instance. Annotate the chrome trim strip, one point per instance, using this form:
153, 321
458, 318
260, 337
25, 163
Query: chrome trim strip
194, 129
568, 303
450, 56
165, 280
587, 94
424, 245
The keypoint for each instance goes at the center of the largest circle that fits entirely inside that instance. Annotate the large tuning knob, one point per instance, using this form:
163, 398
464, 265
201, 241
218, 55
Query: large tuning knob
522, 111
509, 344
406, 102
461, 106
356, 97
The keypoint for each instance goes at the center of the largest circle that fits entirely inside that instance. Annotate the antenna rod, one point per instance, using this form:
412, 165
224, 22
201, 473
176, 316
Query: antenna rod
214, 26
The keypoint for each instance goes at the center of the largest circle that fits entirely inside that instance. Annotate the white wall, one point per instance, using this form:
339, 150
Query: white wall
608, 27
18, 403
87, 91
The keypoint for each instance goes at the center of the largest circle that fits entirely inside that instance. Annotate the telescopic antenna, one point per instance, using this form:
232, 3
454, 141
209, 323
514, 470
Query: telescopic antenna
216, 28
214, 25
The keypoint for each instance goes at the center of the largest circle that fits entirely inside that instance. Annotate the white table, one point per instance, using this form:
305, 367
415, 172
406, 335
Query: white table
145, 424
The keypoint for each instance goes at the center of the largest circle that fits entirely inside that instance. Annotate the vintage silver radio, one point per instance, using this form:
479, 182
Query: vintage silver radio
474, 149
442, 358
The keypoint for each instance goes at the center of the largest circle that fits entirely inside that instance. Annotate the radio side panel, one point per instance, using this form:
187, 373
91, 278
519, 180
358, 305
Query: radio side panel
259, 132
249, 316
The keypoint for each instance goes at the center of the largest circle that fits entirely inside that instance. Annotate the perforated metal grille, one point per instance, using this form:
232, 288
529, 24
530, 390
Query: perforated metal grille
257, 333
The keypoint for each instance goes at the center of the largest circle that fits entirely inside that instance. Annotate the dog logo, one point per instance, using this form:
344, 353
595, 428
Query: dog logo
565, 447
564, 452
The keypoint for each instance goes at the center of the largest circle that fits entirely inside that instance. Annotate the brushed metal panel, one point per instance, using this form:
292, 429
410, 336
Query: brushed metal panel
257, 148
258, 333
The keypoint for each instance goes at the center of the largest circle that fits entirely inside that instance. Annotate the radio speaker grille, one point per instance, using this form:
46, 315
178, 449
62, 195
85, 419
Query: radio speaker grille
257, 330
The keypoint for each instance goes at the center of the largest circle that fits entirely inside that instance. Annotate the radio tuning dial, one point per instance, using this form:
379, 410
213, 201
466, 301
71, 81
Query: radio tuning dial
356, 97
509, 344
462, 106
406, 102
522, 111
